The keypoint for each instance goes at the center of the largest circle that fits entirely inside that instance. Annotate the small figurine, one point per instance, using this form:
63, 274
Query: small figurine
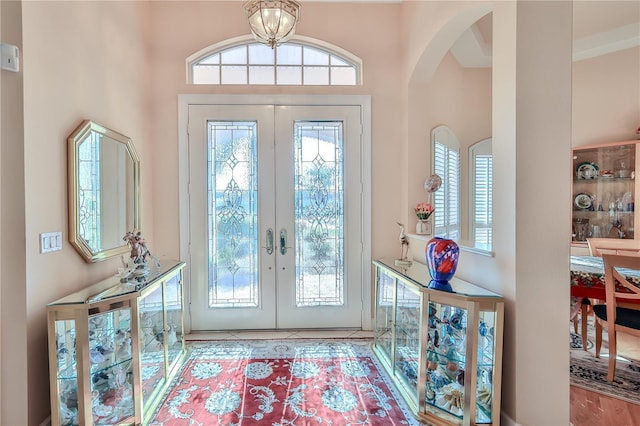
404, 242
139, 250
138, 256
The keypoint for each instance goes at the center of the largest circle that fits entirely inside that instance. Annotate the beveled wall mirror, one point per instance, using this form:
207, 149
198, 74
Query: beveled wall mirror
104, 191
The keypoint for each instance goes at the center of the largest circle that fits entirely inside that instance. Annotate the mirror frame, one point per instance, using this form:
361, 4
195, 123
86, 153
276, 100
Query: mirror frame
73, 141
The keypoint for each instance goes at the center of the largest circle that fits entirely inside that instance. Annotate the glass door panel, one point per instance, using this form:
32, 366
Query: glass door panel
319, 206
384, 312
407, 332
446, 357
174, 306
151, 335
486, 359
232, 189
111, 366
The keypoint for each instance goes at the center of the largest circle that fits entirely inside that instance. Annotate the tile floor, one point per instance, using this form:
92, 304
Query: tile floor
280, 334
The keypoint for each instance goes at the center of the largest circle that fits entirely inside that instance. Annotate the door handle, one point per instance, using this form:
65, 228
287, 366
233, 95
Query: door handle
283, 242
269, 241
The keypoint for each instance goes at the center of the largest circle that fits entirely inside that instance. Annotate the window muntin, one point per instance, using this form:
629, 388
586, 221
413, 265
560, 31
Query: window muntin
291, 64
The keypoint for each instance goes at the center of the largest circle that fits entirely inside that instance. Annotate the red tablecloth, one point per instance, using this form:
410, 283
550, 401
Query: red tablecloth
587, 277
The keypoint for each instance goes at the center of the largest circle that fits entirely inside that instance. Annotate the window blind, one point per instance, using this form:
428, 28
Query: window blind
447, 199
482, 203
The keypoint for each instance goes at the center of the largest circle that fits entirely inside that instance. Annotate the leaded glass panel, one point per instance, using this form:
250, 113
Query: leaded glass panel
89, 192
232, 214
319, 207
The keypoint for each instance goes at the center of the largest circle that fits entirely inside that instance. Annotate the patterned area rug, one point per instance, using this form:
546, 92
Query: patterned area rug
282, 382
590, 373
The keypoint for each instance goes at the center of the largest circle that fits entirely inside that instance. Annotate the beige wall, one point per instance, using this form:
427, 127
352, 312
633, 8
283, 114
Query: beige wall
82, 60
606, 98
13, 294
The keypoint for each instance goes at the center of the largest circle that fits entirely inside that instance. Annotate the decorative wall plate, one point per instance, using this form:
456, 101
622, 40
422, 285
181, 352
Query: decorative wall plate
583, 201
587, 170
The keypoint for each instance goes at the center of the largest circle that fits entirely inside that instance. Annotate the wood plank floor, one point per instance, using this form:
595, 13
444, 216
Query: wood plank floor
594, 409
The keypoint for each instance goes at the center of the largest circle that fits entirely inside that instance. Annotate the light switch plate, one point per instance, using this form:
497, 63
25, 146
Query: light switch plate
10, 56
50, 241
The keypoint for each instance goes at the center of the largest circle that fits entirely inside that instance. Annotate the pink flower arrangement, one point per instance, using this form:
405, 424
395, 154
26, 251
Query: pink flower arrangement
423, 210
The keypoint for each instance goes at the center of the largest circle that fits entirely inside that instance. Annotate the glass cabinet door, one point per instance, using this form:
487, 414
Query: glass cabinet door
445, 358
174, 326
383, 333
111, 366
486, 361
603, 199
67, 371
151, 335
407, 337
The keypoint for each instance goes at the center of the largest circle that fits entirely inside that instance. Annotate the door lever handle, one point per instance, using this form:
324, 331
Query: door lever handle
283, 242
269, 241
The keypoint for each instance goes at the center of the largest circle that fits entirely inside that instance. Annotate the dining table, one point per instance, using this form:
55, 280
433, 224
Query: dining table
588, 283
587, 277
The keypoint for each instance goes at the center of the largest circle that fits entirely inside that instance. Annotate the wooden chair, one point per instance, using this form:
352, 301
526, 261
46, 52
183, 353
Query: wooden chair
613, 315
600, 246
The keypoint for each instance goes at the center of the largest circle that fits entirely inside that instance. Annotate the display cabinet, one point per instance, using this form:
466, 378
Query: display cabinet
443, 350
114, 346
604, 192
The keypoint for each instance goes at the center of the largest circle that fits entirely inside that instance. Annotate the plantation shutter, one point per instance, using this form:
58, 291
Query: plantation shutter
483, 210
447, 199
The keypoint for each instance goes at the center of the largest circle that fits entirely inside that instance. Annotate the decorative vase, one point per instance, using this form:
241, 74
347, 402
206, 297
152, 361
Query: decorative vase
442, 261
423, 227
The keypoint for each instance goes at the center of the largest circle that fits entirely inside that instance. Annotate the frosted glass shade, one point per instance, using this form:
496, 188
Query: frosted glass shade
272, 22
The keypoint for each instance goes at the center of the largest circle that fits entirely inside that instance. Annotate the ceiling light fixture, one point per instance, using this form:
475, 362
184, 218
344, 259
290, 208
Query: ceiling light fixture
272, 22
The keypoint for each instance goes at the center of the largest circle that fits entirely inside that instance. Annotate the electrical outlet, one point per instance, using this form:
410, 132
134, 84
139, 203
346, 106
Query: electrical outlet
10, 56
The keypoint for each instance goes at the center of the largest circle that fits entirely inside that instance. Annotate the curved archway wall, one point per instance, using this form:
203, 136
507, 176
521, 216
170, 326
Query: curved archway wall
440, 92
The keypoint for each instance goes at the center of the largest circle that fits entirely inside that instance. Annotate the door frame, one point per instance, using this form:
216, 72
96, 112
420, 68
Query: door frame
363, 101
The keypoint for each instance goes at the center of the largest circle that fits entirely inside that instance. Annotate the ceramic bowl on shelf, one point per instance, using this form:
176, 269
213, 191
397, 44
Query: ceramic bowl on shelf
583, 201
587, 170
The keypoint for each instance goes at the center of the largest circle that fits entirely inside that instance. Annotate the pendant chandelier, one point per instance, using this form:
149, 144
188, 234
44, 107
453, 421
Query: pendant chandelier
272, 22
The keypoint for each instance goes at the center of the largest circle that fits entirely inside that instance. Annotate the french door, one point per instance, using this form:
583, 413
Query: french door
275, 200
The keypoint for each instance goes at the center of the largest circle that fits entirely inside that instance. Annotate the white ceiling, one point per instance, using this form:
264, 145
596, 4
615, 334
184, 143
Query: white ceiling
599, 27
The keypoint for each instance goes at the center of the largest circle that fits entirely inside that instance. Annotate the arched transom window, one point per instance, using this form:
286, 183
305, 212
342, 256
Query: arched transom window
298, 62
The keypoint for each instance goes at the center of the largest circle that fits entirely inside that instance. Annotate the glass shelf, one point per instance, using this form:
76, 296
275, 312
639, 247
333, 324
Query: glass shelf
612, 198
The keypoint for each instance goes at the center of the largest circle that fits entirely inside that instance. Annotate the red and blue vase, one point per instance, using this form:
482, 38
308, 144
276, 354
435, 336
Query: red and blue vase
442, 261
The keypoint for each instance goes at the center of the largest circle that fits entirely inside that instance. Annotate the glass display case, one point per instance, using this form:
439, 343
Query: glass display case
438, 347
99, 349
160, 309
604, 192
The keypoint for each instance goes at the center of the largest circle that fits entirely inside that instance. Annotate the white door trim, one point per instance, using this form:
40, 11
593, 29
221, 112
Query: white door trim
364, 101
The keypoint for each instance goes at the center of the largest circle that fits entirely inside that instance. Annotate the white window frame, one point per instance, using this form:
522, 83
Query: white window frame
446, 200
343, 55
